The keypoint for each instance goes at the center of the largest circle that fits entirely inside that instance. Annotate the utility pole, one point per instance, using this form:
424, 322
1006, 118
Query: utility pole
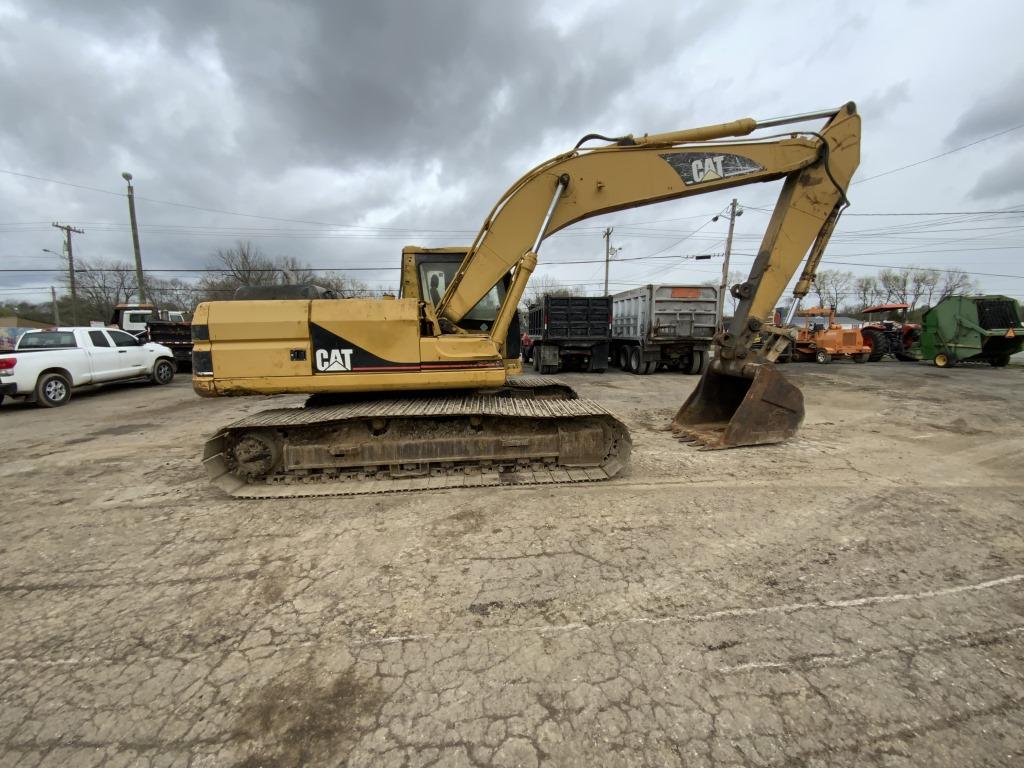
734, 211
135, 237
56, 311
607, 255
68, 229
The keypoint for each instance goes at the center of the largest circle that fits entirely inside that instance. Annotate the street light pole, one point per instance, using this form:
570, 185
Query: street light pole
607, 255
135, 237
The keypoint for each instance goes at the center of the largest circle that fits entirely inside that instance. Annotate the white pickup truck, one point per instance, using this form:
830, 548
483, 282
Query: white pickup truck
46, 365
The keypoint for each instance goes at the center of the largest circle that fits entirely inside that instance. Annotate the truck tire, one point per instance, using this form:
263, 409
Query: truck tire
163, 371
698, 362
862, 357
53, 390
624, 358
1000, 361
822, 356
536, 362
636, 361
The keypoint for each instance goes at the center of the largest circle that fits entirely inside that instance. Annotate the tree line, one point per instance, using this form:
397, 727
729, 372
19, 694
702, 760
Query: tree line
919, 287
103, 283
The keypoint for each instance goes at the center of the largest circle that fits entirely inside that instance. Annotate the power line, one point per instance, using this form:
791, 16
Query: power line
941, 154
197, 270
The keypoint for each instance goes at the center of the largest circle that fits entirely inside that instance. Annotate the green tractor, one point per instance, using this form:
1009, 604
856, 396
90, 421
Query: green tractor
976, 329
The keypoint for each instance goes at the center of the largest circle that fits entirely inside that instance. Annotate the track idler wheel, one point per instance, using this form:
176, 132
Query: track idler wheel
255, 453
754, 406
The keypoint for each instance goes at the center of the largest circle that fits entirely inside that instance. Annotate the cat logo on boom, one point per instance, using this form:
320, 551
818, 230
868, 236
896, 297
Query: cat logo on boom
702, 167
334, 360
708, 168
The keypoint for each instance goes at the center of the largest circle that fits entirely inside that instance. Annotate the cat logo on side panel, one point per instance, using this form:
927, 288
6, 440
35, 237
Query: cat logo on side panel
333, 360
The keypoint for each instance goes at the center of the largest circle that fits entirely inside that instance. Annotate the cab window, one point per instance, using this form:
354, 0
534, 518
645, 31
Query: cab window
99, 339
122, 339
47, 340
434, 280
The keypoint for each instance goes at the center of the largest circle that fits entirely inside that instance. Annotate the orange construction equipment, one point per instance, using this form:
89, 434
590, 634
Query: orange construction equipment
820, 342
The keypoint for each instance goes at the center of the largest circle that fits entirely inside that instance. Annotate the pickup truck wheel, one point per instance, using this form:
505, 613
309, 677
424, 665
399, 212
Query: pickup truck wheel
53, 390
163, 372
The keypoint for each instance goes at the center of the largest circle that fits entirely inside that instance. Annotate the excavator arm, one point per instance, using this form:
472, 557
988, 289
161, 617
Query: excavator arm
739, 401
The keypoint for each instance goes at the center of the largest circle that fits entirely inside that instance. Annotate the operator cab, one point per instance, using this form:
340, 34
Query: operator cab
426, 275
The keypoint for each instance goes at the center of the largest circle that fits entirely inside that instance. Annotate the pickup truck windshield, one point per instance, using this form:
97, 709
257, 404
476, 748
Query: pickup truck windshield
47, 340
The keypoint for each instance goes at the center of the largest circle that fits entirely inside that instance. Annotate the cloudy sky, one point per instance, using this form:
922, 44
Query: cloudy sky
344, 130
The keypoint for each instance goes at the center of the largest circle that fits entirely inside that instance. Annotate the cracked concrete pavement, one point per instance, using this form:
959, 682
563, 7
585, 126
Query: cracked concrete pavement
853, 597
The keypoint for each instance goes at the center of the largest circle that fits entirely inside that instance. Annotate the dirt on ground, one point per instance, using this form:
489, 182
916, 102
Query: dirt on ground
852, 597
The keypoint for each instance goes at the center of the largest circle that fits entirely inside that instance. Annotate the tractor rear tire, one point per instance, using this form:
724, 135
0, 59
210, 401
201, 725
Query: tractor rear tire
823, 357
877, 341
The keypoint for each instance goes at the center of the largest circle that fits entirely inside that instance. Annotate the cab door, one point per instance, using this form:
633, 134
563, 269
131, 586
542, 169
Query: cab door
130, 352
104, 359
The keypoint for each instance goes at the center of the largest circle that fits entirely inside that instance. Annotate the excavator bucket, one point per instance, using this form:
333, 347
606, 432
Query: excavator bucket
728, 410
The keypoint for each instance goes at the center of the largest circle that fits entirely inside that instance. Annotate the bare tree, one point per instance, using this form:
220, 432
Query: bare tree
545, 285
101, 284
868, 291
291, 271
956, 281
245, 264
923, 283
731, 302
344, 287
896, 285
173, 294
831, 286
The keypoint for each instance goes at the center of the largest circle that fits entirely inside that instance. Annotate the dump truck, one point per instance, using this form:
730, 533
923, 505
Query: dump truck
569, 332
670, 326
168, 327
971, 329
426, 386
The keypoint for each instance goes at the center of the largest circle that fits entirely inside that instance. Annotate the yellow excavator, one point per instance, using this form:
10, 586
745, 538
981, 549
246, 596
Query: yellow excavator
417, 392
